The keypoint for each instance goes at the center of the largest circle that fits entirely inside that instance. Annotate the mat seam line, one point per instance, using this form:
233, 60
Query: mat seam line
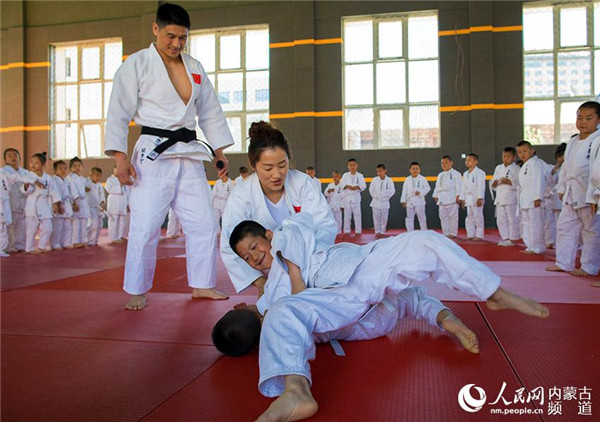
106, 339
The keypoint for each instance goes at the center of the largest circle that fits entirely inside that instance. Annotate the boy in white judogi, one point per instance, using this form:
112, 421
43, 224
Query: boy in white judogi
242, 176
333, 193
552, 203
14, 176
353, 183
310, 171
576, 219
414, 190
531, 195
446, 194
5, 215
472, 197
505, 184
381, 190
62, 228
116, 207
97, 203
81, 210
220, 194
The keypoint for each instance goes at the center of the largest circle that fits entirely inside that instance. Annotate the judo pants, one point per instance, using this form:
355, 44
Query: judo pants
116, 227
573, 224
45, 226
533, 229
179, 183
79, 230
449, 219
16, 232
61, 232
286, 342
507, 222
380, 219
351, 210
550, 219
173, 225
337, 215
218, 212
94, 228
419, 211
474, 222
3, 236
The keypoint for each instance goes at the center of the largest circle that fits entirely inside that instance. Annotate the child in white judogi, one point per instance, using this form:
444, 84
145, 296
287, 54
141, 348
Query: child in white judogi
446, 195
414, 190
62, 229
531, 196
41, 205
353, 183
381, 190
242, 176
333, 193
310, 171
552, 203
116, 207
472, 197
220, 194
97, 203
81, 210
576, 219
505, 184
5, 215
14, 175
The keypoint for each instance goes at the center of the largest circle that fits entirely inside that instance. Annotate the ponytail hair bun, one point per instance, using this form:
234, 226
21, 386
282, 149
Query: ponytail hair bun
263, 135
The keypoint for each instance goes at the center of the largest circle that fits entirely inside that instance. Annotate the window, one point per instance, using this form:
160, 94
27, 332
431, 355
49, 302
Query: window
391, 81
561, 43
237, 63
81, 83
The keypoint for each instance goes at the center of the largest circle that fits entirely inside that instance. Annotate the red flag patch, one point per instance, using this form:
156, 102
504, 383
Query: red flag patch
197, 78
297, 208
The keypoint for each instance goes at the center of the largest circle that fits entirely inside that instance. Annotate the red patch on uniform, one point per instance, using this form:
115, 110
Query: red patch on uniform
197, 78
297, 209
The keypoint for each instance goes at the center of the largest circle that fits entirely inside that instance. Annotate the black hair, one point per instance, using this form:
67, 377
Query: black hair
511, 150
243, 169
58, 163
310, 168
172, 14
7, 150
593, 105
42, 156
244, 229
414, 163
75, 160
520, 144
335, 171
237, 332
353, 159
380, 166
263, 135
447, 157
560, 150
95, 170
472, 154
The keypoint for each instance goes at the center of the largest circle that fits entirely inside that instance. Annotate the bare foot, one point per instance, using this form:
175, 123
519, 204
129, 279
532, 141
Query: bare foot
294, 404
465, 336
580, 272
477, 239
596, 284
503, 299
136, 303
554, 268
208, 294
35, 252
528, 252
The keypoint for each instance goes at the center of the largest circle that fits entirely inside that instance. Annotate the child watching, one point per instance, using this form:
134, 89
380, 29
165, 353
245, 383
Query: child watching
505, 183
446, 195
81, 210
310, 171
413, 197
97, 204
14, 174
220, 194
552, 203
62, 229
472, 197
333, 193
5, 216
353, 183
117, 204
381, 190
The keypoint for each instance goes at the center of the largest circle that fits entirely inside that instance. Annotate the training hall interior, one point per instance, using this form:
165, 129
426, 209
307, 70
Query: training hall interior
380, 82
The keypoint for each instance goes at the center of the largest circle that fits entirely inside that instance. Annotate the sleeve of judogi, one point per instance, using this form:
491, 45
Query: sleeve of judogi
5, 199
361, 182
372, 189
389, 192
481, 185
592, 188
53, 191
414, 303
437, 186
458, 184
426, 187
344, 182
327, 193
295, 241
404, 194
324, 225
538, 181
29, 178
113, 186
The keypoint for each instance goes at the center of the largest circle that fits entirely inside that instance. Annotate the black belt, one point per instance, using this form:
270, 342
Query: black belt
180, 135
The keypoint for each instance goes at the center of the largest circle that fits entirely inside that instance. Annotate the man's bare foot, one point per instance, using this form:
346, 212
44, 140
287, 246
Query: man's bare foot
294, 404
554, 268
208, 294
136, 303
596, 284
503, 299
580, 272
458, 329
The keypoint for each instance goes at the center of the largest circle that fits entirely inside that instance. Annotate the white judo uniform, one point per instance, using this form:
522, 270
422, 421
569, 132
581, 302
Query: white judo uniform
142, 90
531, 188
334, 199
552, 205
316, 181
381, 191
38, 209
415, 204
592, 195
81, 216
95, 197
575, 220
247, 202
507, 217
389, 267
220, 195
473, 188
116, 207
17, 228
447, 190
351, 200
5, 214
62, 228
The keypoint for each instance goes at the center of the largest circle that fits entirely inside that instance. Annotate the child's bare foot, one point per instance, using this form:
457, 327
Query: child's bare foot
35, 252
208, 294
503, 299
580, 272
458, 329
294, 404
136, 303
528, 252
596, 284
554, 268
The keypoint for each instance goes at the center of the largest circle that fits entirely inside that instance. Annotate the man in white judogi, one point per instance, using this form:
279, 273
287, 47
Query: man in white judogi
505, 184
381, 190
14, 174
446, 194
164, 90
473, 196
333, 193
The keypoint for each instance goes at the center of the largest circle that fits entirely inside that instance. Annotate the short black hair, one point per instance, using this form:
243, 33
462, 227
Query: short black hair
472, 154
511, 150
172, 14
380, 166
310, 168
7, 150
593, 105
447, 157
414, 163
237, 332
353, 159
243, 169
58, 163
520, 144
560, 150
244, 229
